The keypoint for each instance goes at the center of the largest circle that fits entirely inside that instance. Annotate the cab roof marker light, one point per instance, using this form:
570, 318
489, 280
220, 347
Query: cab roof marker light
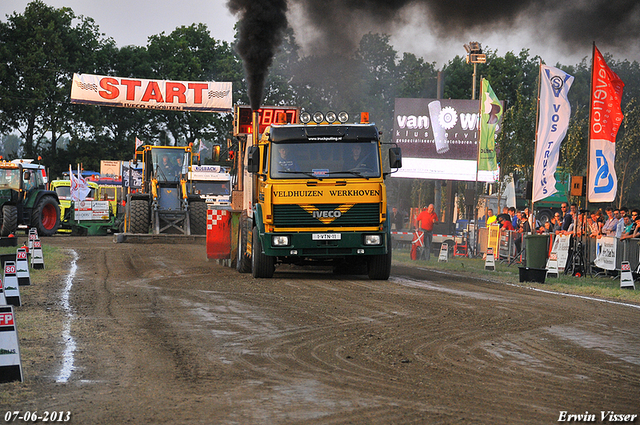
318, 117
305, 117
331, 117
343, 117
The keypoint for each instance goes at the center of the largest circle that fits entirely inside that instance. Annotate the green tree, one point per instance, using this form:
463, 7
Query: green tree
39, 52
628, 154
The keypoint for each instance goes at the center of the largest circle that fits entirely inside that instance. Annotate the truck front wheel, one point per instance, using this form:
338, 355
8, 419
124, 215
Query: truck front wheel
380, 266
46, 216
262, 265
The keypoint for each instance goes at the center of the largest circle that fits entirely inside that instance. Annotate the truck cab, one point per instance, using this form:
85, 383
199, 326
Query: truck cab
319, 197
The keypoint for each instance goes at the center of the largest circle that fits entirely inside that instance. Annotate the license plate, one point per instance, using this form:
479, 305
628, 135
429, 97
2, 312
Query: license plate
326, 236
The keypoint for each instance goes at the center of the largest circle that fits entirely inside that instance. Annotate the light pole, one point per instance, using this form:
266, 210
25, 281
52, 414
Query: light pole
474, 56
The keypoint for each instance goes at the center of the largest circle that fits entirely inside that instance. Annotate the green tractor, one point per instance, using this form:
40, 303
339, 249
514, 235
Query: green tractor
24, 199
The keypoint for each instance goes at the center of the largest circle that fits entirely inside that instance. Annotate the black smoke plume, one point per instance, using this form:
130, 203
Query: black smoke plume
261, 26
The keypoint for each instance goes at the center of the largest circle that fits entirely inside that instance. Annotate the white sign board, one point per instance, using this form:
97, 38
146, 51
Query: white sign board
606, 253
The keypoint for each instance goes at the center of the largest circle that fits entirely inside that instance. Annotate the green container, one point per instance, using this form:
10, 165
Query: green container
536, 251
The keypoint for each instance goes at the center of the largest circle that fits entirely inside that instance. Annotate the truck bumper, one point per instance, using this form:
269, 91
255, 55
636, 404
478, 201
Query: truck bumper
303, 245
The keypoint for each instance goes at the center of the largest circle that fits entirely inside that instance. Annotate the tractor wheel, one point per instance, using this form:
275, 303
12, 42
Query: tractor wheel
380, 266
262, 265
9, 220
139, 216
198, 217
243, 264
46, 216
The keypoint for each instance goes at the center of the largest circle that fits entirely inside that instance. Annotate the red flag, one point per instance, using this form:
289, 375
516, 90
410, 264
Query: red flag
606, 117
606, 94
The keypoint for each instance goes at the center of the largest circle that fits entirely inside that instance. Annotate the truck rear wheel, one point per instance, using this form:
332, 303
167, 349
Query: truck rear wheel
262, 265
139, 216
9, 219
198, 217
46, 216
243, 264
380, 266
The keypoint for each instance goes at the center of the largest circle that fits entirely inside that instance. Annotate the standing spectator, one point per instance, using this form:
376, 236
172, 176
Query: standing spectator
566, 218
628, 228
505, 222
397, 220
491, 217
596, 225
556, 223
609, 227
514, 218
424, 221
620, 224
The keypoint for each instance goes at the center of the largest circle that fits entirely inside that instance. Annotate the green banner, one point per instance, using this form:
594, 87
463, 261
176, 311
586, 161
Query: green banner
490, 115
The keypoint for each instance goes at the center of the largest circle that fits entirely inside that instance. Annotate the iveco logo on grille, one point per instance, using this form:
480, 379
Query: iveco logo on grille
327, 214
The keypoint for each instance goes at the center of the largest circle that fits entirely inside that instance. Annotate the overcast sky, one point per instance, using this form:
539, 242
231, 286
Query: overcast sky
133, 21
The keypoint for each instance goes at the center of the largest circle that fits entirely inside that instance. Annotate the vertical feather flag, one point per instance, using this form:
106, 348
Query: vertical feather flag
490, 114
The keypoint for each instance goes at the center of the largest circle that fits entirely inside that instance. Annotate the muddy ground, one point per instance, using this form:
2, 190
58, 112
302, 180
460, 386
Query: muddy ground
155, 333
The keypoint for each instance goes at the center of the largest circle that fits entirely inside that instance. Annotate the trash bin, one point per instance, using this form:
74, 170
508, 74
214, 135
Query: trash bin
536, 251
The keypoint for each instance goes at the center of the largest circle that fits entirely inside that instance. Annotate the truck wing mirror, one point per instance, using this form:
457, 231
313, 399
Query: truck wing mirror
253, 159
395, 157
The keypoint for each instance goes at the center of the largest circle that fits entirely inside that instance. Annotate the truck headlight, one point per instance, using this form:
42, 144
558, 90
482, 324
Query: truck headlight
280, 240
373, 239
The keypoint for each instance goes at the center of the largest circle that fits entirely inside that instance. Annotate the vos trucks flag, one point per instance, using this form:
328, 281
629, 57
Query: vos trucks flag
605, 119
553, 123
151, 94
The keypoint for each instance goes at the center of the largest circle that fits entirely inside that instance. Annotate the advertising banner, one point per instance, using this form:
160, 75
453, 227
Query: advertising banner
490, 115
151, 94
553, 123
606, 248
439, 139
605, 119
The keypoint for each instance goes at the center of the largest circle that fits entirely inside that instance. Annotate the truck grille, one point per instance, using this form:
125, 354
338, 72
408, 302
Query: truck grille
358, 215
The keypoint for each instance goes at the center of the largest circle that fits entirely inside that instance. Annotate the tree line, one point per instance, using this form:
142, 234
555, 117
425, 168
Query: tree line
43, 46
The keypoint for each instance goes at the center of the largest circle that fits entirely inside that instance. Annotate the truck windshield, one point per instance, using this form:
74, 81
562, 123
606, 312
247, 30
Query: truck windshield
10, 178
210, 188
325, 160
169, 164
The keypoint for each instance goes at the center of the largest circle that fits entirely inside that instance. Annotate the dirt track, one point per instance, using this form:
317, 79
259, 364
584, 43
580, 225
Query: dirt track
164, 336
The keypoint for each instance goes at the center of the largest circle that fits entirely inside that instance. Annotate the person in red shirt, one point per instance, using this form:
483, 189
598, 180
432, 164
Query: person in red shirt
505, 224
424, 222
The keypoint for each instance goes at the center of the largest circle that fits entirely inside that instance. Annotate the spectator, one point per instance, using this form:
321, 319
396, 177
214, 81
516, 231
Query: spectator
556, 223
595, 225
609, 227
424, 221
620, 223
566, 219
505, 222
491, 217
636, 232
546, 229
514, 218
397, 220
629, 228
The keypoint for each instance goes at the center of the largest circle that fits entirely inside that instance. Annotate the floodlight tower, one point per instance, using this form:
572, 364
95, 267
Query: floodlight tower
474, 56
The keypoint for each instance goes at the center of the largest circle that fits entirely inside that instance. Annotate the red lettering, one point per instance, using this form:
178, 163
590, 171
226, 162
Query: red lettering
131, 87
6, 319
110, 89
197, 91
152, 92
176, 90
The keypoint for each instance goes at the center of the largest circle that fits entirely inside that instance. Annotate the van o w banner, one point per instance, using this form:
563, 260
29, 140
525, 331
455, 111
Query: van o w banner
439, 139
140, 93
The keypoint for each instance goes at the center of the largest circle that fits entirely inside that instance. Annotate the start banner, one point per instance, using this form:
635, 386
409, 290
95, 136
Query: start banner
151, 94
